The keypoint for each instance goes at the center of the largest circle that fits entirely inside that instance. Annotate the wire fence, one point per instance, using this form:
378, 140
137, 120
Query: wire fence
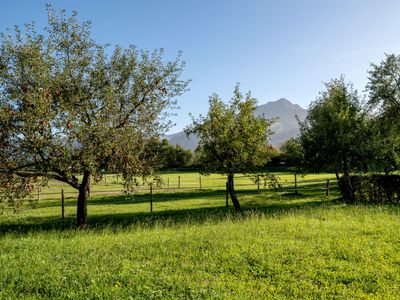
245, 185
203, 183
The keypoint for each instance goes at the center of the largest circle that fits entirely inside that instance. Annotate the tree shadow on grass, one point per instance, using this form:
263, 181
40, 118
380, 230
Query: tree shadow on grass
164, 197
172, 217
310, 189
139, 198
201, 215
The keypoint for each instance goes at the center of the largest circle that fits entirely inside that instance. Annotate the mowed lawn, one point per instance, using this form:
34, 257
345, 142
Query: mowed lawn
191, 247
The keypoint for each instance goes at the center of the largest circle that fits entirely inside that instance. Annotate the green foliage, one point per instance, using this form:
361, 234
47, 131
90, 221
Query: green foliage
175, 156
232, 139
269, 180
330, 135
380, 145
384, 92
275, 157
383, 86
292, 153
67, 107
375, 188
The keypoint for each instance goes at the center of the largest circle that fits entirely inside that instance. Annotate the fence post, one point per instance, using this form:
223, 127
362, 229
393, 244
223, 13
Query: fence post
105, 178
179, 182
200, 180
258, 184
295, 183
327, 188
151, 197
117, 178
168, 182
226, 196
38, 193
62, 204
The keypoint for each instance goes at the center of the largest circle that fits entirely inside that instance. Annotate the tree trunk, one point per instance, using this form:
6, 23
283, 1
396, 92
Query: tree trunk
386, 170
337, 171
348, 186
84, 193
232, 193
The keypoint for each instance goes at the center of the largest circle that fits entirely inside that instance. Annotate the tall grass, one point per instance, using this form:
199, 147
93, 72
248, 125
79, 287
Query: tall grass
287, 246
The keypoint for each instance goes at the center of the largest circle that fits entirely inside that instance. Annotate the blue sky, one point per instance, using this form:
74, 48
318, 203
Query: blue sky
275, 48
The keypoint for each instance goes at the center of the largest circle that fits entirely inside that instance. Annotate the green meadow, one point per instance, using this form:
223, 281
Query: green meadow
308, 246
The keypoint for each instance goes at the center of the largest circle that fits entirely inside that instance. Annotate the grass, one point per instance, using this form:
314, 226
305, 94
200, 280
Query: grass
283, 246
111, 183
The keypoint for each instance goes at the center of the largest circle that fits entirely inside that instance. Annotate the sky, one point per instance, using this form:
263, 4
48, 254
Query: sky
276, 49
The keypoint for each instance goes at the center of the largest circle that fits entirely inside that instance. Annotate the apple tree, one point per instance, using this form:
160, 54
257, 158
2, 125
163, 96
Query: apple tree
69, 106
232, 139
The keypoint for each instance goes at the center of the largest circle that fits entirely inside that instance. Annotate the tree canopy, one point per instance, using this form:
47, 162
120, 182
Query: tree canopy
175, 156
384, 98
291, 153
330, 133
384, 85
232, 139
67, 107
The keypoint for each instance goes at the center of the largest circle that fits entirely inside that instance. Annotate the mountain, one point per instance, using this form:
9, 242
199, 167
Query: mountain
285, 126
182, 139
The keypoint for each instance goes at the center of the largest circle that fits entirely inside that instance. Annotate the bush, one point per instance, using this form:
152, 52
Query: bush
374, 188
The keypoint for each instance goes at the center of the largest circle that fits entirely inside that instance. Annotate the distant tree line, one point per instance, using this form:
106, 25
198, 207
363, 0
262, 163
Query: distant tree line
175, 156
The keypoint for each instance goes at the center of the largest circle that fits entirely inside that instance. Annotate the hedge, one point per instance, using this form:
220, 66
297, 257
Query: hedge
374, 188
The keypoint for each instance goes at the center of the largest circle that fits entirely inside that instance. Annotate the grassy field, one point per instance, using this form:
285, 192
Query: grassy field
283, 246
176, 181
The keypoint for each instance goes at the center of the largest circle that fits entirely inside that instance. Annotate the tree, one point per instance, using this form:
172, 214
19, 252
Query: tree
232, 139
292, 152
68, 108
175, 156
183, 157
275, 156
384, 98
329, 135
384, 86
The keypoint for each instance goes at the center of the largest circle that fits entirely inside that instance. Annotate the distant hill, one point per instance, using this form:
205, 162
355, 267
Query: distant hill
181, 138
284, 127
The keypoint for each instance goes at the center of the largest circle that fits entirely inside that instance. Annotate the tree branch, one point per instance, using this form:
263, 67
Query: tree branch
136, 106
